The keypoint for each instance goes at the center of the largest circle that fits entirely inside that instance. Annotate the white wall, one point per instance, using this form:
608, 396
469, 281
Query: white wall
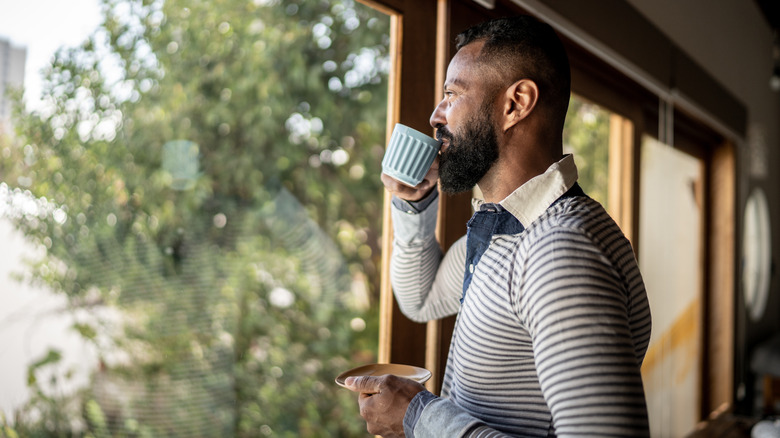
32, 321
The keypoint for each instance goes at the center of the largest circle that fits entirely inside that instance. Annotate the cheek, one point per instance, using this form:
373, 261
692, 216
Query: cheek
455, 117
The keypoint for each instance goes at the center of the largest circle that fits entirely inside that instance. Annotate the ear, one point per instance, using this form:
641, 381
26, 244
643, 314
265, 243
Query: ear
519, 100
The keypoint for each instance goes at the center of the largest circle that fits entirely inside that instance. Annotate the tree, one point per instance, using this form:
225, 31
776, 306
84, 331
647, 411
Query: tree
209, 170
586, 135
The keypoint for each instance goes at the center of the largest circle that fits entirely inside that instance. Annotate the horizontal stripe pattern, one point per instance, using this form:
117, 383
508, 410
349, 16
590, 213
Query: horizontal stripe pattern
553, 330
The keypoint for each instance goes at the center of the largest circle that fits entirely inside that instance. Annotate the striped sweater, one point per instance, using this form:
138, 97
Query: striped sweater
553, 328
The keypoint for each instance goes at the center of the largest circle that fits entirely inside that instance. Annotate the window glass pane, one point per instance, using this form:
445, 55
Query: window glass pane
202, 191
586, 135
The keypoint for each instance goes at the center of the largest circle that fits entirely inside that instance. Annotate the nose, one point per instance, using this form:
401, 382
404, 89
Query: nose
437, 118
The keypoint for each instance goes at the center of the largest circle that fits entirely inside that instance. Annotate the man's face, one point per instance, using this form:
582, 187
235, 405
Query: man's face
471, 151
464, 123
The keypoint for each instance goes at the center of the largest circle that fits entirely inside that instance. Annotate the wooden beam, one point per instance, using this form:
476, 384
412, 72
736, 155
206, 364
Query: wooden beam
719, 370
621, 173
412, 78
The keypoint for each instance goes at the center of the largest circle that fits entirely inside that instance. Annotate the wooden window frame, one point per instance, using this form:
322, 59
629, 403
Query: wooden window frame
411, 92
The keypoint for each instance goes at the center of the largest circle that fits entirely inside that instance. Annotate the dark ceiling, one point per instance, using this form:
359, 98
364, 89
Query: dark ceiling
771, 11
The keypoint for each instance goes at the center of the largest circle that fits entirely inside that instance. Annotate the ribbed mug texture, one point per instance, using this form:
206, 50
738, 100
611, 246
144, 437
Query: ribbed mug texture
409, 155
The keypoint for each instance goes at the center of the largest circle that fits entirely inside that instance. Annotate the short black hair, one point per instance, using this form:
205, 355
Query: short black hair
522, 47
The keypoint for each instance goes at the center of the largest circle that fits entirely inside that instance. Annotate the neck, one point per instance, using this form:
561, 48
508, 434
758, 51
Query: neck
518, 162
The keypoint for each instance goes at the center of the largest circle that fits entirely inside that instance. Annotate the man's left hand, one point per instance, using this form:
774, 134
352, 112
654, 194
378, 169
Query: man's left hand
383, 402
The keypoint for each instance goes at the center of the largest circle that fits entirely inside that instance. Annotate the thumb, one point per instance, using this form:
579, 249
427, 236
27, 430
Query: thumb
362, 384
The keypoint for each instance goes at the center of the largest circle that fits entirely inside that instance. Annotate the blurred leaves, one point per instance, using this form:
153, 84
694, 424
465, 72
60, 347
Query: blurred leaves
237, 278
586, 135
52, 357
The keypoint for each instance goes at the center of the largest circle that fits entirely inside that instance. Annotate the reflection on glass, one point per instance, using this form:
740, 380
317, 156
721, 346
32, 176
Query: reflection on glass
205, 183
756, 254
180, 159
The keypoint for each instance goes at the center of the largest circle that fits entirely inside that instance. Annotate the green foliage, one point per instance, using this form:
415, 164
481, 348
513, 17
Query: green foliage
209, 171
96, 418
586, 135
6, 430
46, 412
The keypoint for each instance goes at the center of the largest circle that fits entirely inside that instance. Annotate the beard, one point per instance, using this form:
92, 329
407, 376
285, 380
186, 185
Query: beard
470, 155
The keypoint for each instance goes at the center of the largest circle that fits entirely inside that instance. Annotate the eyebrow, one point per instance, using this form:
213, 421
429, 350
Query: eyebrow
456, 82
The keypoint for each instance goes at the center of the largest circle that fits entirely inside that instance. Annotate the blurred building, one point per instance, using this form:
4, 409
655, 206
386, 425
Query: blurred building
12, 60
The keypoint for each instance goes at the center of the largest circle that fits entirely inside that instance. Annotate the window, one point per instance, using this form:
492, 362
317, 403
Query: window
586, 135
203, 190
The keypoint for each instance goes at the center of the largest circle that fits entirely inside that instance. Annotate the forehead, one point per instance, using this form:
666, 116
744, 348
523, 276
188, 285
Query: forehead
465, 69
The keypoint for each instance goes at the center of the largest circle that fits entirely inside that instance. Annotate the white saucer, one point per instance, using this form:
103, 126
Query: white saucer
379, 369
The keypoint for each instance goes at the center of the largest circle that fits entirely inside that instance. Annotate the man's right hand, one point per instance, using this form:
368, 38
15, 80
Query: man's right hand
407, 193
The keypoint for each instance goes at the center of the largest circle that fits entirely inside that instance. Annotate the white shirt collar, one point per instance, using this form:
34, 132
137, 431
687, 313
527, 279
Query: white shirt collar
530, 200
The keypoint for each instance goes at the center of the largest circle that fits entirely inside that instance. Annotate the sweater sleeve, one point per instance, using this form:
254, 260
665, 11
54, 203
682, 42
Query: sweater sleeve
576, 312
427, 284
440, 417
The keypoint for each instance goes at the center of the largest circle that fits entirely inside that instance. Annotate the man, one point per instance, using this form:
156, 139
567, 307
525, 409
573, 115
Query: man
553, 319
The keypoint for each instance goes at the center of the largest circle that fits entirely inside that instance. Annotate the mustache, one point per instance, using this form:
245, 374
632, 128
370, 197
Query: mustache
443, 133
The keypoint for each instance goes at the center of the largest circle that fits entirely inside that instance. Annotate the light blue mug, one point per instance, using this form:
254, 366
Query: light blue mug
409, 155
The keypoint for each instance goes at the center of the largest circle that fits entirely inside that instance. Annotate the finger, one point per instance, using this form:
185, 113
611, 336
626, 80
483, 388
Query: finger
405, 192
434, 169
427, 184
362, 384
400, 190
392, 184
395, 186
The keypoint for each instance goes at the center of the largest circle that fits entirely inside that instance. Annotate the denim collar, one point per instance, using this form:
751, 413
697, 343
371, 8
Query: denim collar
516, 211
530, 200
